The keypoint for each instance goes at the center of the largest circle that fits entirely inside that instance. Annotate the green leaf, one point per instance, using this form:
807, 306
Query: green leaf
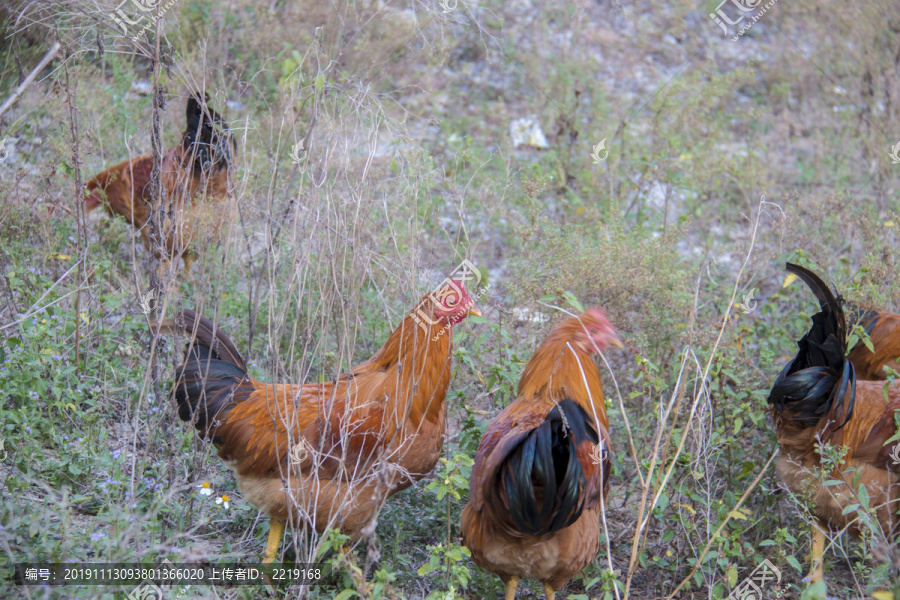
880, 572
320, 82
731, 575
863, 495
849, 509
794, 563
868, 342
816, 590
346, 594
573, 301
896, 435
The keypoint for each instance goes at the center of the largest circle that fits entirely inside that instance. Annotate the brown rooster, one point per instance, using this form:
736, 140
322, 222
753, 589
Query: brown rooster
542, 470
883, 329
818, 399
194, 175
325, 455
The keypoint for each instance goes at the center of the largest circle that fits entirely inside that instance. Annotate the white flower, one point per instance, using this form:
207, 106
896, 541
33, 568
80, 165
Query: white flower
205, 489
223, 500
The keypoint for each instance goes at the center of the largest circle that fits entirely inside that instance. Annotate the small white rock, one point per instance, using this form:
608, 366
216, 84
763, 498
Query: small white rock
527, 315
142, 88
527, 132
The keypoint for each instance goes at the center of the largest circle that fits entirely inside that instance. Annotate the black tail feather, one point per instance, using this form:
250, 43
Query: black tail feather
212, 370
211, 146
815, 382
542, 477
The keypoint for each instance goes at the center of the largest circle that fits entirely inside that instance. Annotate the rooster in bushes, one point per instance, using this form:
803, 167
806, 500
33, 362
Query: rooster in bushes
194, 175
325, 454
541, 473
818, 399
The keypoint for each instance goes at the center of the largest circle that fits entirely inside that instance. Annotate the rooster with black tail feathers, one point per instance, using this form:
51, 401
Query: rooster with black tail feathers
818, 400
194, 176
325, 455
542, 470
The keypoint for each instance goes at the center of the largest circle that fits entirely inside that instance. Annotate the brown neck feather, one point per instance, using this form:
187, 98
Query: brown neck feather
417, 361
560, 369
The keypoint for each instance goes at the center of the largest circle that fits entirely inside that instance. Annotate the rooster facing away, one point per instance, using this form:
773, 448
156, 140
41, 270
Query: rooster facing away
326, 454
541, 474
194, 175
818, 399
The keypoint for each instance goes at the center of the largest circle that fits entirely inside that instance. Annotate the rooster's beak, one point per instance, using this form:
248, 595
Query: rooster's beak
617, 342
474, 312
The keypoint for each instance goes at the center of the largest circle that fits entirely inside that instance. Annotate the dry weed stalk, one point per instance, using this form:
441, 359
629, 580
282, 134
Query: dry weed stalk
697, 420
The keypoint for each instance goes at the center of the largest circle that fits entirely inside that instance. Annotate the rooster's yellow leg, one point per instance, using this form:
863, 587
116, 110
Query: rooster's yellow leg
816, 553
276, 529
511, 586
549, 592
